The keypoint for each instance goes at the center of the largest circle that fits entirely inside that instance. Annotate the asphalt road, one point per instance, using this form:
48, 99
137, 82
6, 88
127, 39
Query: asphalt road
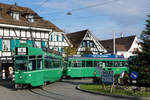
64, 90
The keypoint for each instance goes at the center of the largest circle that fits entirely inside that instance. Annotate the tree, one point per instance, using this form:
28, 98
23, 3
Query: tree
143, 58
69, 51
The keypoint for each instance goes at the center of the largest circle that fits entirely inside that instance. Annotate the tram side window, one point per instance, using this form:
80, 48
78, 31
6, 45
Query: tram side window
56, 63
110, 63
83, 64
39, 64
76, 63
121, 64
50, 64
89, 64
96, 64
116, 64
46, 63
69, 64
32, 65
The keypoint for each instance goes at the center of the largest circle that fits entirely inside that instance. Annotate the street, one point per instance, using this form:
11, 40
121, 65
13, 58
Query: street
64, 90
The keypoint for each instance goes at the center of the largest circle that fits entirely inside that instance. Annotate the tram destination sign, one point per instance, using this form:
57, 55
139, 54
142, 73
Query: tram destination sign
21, 51
108, 77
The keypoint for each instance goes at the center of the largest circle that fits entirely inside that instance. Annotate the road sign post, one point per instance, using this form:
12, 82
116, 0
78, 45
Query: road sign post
108, 78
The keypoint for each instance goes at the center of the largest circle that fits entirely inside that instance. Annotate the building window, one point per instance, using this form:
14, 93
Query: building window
83, 44
30, 18
6, 45
15, 15
38, 44
88, 44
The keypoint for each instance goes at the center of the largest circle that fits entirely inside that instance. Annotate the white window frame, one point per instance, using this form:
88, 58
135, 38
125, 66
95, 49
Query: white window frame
6, 45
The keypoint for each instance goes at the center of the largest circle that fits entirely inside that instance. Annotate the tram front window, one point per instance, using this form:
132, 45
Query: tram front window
21, 63
21, 66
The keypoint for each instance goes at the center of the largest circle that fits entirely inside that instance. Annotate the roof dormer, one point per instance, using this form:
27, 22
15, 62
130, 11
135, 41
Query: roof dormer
30, 18
15, 15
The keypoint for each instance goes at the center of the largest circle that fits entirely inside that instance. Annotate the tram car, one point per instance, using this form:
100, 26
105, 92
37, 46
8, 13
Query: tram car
86, 66
35, 67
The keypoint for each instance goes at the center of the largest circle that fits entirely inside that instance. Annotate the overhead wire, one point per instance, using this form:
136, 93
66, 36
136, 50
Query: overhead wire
95, 5
43, 3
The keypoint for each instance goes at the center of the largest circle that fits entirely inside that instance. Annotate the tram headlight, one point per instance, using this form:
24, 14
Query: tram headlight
29, 75
20, 77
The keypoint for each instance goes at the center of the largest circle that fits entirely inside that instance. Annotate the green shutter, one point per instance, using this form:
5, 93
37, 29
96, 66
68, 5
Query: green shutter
57, 37
1, 45
51, 37
62, 50
63, 38
12, 45
43, 44
17, 42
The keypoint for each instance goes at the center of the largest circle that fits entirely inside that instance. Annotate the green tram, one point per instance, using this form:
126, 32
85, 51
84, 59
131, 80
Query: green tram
86, 66
35, 67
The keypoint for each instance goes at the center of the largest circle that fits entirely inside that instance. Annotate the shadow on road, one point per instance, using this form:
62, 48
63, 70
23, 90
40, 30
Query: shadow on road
7, 84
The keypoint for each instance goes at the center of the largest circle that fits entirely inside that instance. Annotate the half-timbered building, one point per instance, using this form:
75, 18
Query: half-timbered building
21, 25
84, 40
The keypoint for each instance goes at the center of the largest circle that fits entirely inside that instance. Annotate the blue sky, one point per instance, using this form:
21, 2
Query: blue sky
101, 17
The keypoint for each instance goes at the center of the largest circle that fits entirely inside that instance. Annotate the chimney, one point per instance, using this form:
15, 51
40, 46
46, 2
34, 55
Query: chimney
121, 35
15, 4
1, 11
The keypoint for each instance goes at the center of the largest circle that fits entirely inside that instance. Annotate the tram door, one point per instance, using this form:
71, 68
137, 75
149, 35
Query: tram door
87, 69
75, 70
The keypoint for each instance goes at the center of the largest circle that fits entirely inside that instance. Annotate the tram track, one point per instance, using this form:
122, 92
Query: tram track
51, 95
45, 95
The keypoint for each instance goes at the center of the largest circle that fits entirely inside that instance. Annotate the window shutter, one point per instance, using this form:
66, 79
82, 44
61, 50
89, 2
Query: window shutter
12, 45
43, 44
57, 37
63, 38
62, 50
51, 37
17, 42
1, 45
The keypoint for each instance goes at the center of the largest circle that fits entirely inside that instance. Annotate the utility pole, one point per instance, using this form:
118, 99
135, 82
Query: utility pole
114, 42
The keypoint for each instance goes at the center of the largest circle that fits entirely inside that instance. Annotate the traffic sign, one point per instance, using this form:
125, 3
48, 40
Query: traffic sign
108, 77
134, 75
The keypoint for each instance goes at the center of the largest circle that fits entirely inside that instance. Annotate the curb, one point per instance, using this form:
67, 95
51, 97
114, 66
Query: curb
112, 95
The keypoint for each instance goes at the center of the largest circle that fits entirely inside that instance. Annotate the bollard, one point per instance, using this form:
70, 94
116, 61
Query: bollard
3, 74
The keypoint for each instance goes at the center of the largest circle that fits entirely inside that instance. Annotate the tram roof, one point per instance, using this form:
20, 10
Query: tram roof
97, 58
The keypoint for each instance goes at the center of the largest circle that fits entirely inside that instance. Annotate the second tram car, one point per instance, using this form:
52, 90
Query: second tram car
86, 66
35, 67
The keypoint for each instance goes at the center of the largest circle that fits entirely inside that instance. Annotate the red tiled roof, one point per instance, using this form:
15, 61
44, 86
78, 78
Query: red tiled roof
5, 17
122, 43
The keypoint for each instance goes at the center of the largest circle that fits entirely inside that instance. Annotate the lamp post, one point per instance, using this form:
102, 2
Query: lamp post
114, 42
